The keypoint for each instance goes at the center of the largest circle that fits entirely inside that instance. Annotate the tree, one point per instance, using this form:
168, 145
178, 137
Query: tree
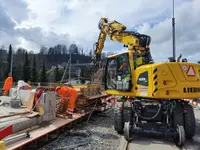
34, 71
57, 74
8, 60
26, 68
43, 76
73, 49
64, 49
43, 50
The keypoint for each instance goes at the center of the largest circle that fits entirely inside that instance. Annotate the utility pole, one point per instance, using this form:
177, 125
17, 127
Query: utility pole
66, 67
11, 63
70, 56
173, 34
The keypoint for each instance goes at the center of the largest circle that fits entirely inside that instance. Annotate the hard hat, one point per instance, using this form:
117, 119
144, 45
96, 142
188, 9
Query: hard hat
57, 88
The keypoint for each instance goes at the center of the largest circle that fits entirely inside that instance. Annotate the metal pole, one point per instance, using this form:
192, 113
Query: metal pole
70, 68
173, 34
64, 71
11, 63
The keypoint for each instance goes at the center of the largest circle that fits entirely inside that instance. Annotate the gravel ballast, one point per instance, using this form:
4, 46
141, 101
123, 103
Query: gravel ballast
98, 134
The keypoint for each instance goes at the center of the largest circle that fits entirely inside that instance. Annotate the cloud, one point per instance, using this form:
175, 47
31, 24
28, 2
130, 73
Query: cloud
187, 32
49, 22
15, 9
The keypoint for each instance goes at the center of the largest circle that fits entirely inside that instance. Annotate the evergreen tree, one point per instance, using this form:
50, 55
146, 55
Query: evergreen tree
26, 68
57, 74
8, 60
43, 76
34, 71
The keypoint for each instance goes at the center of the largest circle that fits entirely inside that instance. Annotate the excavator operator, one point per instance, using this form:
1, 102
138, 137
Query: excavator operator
68, 99
124, 68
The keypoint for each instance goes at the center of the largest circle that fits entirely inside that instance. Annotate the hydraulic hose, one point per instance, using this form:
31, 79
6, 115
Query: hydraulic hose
147, 118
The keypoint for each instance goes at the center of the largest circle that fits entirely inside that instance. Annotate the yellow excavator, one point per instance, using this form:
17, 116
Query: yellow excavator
153, 95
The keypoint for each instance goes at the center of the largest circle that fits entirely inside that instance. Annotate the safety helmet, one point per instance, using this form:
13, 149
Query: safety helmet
57, 88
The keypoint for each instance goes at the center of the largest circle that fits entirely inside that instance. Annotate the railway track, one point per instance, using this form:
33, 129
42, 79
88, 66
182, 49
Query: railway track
98, 133
147, 142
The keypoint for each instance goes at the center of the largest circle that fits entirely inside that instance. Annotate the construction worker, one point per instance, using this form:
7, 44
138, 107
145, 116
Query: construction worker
69, 96
7, 84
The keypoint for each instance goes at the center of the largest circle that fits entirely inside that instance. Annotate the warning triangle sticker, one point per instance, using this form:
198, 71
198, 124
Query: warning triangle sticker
191, 71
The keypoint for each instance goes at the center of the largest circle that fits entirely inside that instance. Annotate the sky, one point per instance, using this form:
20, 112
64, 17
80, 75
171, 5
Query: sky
33, 23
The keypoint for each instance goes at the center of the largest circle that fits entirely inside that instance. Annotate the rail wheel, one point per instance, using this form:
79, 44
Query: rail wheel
118, 120
127, 131
180, 138
189, 121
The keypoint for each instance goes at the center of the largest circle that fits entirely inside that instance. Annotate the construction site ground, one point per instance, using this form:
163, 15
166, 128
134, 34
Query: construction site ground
100, 135
152, 142
98, 132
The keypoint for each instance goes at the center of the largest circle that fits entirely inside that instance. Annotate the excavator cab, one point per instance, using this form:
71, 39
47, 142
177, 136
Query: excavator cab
120, 71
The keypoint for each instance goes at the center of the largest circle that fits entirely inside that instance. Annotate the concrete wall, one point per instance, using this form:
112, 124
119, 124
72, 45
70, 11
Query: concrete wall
48, 100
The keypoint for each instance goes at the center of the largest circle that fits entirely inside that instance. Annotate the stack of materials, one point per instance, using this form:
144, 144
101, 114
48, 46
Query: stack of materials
90, 90
89, 98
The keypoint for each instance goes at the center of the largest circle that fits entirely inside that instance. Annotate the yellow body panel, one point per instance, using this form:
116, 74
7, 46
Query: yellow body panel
168, 80
2, 145
178, 84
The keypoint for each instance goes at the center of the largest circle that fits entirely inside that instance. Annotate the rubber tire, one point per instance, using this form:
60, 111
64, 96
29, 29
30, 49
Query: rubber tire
189, 121
177, 115
118, 120
127, 113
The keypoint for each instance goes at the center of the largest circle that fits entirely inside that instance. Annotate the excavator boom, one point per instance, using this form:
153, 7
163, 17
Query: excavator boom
117, 32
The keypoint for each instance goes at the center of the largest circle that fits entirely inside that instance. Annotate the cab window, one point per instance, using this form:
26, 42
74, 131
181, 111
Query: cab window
123, 66
118, 73
111, 76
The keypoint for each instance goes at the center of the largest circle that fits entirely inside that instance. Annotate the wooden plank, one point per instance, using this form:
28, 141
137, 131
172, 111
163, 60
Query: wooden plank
35, 134
33, 114
61, 116
15, 114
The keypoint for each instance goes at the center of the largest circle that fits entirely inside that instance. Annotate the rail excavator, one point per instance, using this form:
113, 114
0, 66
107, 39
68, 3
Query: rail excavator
153, 95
